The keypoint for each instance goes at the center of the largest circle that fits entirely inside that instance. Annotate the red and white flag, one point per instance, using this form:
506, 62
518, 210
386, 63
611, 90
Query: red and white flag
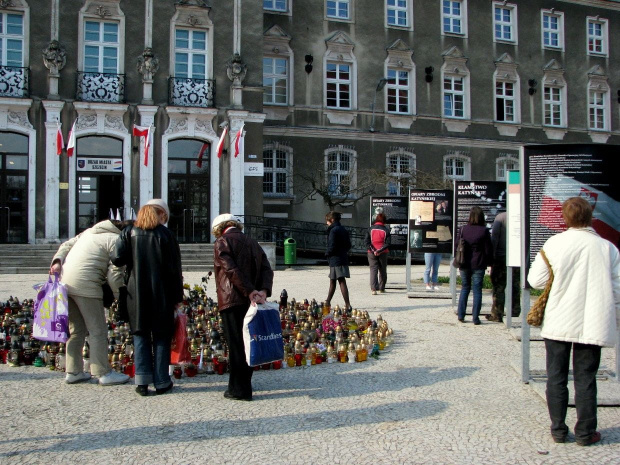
201, 154
238, 137
146, 133
60, 142
71, 141
220, 144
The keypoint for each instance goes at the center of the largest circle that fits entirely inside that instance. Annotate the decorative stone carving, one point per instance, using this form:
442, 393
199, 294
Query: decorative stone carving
177, 125
86, 121
19, 119
205, 127
148, 64
54, 57
6, 4
114, 123
236, 70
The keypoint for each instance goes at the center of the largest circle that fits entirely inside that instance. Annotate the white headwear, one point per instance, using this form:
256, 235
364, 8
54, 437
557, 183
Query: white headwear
161, 204
223, 218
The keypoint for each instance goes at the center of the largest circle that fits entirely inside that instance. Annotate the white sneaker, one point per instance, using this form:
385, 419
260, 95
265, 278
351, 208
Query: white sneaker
436, 287
428, 287
77, 378
373, 292
111, 378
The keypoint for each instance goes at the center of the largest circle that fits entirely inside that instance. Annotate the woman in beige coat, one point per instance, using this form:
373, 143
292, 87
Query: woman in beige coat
85, 265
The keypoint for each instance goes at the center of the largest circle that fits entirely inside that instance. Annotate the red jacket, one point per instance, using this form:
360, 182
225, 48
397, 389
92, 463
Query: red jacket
378, 238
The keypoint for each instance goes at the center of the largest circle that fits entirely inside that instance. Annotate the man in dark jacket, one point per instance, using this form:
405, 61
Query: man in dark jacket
338, 246
378, 240
242, 276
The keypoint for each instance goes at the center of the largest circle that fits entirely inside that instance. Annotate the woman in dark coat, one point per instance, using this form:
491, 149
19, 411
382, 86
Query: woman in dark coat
154, 290
242, 276
338, 246
478, 255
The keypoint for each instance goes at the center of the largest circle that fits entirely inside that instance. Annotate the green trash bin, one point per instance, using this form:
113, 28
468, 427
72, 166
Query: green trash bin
290, 251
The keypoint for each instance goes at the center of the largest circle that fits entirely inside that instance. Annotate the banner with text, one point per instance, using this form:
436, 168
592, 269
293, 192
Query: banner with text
395, 211
430, 221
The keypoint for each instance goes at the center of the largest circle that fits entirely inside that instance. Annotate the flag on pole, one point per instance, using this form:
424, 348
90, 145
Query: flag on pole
201, 153
220, 144
60, 142
71, 142
146, 133
238, 137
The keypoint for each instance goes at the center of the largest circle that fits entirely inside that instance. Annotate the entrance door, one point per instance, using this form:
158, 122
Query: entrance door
98, 194
189, 190
13, 188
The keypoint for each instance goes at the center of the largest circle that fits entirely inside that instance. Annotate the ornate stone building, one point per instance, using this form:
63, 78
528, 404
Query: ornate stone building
336, 87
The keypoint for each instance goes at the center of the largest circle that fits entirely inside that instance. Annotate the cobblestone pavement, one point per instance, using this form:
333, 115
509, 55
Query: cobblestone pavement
444, 393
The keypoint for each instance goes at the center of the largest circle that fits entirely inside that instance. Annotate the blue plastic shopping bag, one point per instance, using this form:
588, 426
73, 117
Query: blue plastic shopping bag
51, 312
262, 334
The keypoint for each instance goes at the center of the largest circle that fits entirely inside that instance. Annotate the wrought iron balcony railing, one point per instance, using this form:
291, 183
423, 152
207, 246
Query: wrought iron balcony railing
14, 81
100, 87
190, 92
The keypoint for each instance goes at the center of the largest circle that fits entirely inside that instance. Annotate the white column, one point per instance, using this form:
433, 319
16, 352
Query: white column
237, 184
147, 118
52, 169
148, 23
54, 19
237, 27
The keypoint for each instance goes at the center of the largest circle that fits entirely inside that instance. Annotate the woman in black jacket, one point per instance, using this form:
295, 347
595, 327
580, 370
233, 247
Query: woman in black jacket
154, 290
338, 246
478, 255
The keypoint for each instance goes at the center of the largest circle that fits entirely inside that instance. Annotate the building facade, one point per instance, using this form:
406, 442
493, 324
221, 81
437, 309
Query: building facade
341, 88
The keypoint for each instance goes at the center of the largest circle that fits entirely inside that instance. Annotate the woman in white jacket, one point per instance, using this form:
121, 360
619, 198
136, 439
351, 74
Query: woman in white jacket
582, 314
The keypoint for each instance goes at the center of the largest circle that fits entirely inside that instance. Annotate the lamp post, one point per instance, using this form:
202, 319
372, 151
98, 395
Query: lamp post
380, 85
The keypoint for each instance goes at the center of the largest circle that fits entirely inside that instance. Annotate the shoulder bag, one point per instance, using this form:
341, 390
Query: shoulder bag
537, 312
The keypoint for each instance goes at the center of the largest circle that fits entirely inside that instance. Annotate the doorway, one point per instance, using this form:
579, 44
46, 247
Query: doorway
13, 188
100, 196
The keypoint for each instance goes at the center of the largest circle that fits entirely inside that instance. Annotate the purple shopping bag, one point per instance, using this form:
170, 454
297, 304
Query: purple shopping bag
51, 312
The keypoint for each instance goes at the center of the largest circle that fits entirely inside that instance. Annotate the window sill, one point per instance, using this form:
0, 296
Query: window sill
507, 129
340, 117
599, 137
507, 42
454, 34
274, 200
276, 112
338, 20
555, 133
402, 28
400, 121
455, 125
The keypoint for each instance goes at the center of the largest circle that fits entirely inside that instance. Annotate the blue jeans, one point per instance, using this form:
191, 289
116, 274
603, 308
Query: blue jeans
468, 277
152, 357
431, 260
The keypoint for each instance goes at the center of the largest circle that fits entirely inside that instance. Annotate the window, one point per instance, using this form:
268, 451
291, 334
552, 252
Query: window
597, 110
340, 170
552, 29
12, 39
275, 81
456, 167
504, 101
453, 97
597, 36
398, 13
552, 103
338, 85
454, 17
275, 5
277, 172
505, 164
504, 22
190, 54
401, 169
101, 46
599, 103
397, 89
338, 9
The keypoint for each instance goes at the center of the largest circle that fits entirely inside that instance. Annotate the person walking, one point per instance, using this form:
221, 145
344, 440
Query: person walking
154, 281
338, 246
84, 265
431, 271
499, 273
378, 240
582, 314
243, 276
478, 255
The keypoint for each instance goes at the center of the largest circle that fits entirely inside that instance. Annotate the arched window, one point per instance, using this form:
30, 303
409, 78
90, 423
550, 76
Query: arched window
277, 174
401, 167
341, 170
457, 166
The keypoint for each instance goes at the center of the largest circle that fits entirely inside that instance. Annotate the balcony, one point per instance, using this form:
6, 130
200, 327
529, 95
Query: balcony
14, 81
100, 87
190, 92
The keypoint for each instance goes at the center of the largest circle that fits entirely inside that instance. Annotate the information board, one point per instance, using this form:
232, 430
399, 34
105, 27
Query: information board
513, 228
430, 221
395, 210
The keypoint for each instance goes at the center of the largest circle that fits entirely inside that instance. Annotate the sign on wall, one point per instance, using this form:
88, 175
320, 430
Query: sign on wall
395, 210
253, 169
430, 221
100, 164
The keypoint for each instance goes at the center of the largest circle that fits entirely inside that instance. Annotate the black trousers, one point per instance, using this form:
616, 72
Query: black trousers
378, 271
240, 379
586, 360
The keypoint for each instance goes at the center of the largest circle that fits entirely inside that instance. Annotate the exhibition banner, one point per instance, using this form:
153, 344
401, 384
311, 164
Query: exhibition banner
395, 210
553, 173
430, 221
513, 228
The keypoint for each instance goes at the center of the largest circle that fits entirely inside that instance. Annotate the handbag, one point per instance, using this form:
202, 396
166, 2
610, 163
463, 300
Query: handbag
51, 311
179, 347
459, 254
537, 312
262, 334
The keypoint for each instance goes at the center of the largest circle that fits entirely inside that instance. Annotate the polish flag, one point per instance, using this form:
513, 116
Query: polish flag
60, 142
220, 144
146, 133
203, 149
238, 137
605, 210
71, 142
